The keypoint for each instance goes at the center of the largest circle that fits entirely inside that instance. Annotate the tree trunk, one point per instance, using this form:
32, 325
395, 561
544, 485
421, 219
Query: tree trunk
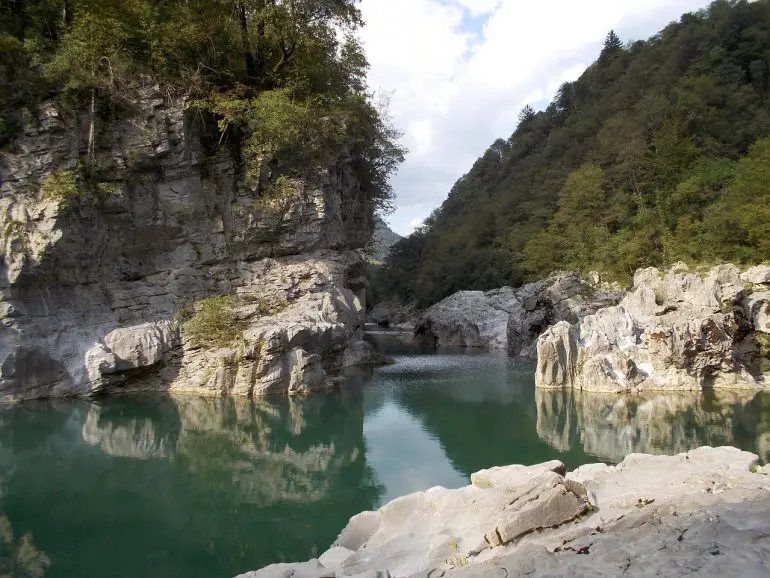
248, 56
67, 13
92, 130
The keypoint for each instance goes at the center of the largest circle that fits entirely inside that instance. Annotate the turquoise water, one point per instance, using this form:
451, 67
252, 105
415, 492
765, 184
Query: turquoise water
160, 487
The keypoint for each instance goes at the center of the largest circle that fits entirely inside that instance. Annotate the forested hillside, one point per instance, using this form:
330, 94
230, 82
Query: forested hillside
284, 81
655, 154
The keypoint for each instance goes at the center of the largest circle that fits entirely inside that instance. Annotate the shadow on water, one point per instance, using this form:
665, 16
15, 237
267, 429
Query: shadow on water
157, 486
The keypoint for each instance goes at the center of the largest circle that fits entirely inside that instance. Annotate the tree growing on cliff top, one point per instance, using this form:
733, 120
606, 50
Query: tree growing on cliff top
283, 77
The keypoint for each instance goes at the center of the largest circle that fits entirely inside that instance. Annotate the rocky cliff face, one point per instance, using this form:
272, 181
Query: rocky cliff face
676, 330
99, 273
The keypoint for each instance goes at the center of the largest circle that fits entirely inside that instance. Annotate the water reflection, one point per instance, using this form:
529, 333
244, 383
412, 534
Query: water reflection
192, 487
195, 487
612, 426
18, 555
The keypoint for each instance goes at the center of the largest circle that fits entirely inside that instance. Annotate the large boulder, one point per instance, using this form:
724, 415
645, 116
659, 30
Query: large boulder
674, 330
469, 319
392, 314
513, 319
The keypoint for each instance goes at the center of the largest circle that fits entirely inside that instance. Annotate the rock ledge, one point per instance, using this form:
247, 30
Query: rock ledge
703, 512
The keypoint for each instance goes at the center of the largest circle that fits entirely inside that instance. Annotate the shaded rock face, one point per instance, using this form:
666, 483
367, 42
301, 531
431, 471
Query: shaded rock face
561, 297
513, 319
393, 314
678, 330
91, 280
532, 521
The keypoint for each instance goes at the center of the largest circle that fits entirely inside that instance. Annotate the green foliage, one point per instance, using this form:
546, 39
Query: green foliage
284, 80
657, 153
278, 196
214, 323
60, 186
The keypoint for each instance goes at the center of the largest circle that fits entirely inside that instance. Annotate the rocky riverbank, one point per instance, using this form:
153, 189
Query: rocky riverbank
703, 512
677, 330
512, 319
102, 270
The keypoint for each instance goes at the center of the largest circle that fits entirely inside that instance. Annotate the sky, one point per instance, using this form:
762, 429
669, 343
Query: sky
460, 71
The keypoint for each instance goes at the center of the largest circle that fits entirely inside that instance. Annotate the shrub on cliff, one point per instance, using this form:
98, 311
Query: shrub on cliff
214, 323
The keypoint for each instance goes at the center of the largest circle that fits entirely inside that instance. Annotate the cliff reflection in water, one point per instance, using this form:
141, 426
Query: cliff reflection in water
611, 426
268, 450
184, 487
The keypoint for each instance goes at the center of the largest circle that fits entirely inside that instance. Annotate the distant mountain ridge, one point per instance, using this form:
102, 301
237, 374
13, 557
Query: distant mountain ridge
383, 239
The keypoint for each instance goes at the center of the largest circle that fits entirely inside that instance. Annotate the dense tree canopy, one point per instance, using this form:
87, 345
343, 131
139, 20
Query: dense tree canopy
286, 77
657, 153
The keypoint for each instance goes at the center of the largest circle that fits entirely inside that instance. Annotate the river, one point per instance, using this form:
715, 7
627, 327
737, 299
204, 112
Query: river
184, 487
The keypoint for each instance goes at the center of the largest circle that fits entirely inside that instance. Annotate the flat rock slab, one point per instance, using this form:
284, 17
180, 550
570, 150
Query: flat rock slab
703, 512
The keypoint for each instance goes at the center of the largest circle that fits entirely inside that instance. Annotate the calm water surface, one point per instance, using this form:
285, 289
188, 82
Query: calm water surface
157, 487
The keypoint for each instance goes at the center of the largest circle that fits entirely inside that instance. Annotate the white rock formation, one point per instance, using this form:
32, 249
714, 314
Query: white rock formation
90, 286
513, 319
469, 319
650, 513
678, 330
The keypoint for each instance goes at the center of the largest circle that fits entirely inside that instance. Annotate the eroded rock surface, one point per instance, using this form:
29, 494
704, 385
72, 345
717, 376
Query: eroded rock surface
561, 297
704, 512
93, 278
677, 330
469, 319
513, 319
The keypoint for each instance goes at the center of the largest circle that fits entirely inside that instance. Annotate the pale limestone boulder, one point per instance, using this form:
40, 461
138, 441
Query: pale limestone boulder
140, 345
557, 350
760, 274
335, 556
704, 512
501, 476
469, 319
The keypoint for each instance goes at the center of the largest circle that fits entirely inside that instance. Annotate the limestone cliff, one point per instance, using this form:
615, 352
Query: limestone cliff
102, 263
676, 330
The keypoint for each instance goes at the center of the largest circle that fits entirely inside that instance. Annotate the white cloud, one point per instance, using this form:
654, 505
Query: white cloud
462, 70
415, 223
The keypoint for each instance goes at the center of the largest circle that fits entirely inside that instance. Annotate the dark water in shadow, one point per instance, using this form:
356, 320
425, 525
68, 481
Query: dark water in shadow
165, 487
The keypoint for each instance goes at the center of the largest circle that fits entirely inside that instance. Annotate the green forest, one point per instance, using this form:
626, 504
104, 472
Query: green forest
280, 79
658, 153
